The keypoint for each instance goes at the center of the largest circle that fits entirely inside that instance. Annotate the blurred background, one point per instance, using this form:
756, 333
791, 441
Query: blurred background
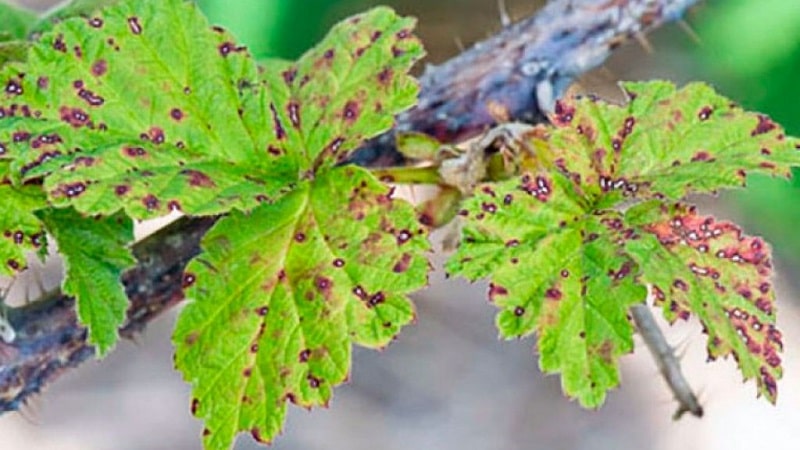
448, 382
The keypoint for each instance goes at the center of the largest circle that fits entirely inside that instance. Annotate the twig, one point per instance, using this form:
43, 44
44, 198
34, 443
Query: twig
667, 363
513, 76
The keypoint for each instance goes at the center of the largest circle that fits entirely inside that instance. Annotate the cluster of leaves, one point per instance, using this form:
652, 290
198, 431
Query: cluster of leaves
143, 108
598, 215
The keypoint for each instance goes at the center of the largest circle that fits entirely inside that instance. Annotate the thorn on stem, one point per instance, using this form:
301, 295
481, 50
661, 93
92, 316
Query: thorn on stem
667, 363
505, 18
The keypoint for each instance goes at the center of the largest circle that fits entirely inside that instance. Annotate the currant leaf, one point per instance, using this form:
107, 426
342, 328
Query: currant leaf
146, 107
95, 252
346, 89
280, 295
20, 230
665, 142
698, 265
556, 269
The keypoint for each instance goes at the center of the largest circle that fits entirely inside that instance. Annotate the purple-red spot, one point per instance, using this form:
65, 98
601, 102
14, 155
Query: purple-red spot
313, 381
323, 284
351, 111
280, 133
304, 355
376, 299
553, 294
289, 76
73, 189
90, 97
134, 152
563, 113
188, 280
293, 109
99, 68
176, 114
765, 125
198, 179
150, 202
403, 237
385, 76
705, 113
360, 292
156, 135
96, 22
74, 116
403, 264
300, 237
134, 25
519, 311
59, 45
496, 290
226, 48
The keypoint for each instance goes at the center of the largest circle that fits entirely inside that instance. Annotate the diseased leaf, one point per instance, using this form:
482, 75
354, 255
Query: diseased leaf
701, 266
665, 142
594, 162
279, 296
347, 88
20, 229
95, 252
555, 269
66, 10
144, 106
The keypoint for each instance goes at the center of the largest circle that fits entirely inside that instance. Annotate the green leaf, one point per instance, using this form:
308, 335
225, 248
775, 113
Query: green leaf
15, 22
348, 88
20, 230
66, 10
12, 51
555, 269
665, 142
418, 146
144, 106
148, 108
95, 252
280, 294
701, 266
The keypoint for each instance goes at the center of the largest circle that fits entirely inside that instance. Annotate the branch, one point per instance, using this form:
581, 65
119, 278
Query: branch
667, 363
515, 75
